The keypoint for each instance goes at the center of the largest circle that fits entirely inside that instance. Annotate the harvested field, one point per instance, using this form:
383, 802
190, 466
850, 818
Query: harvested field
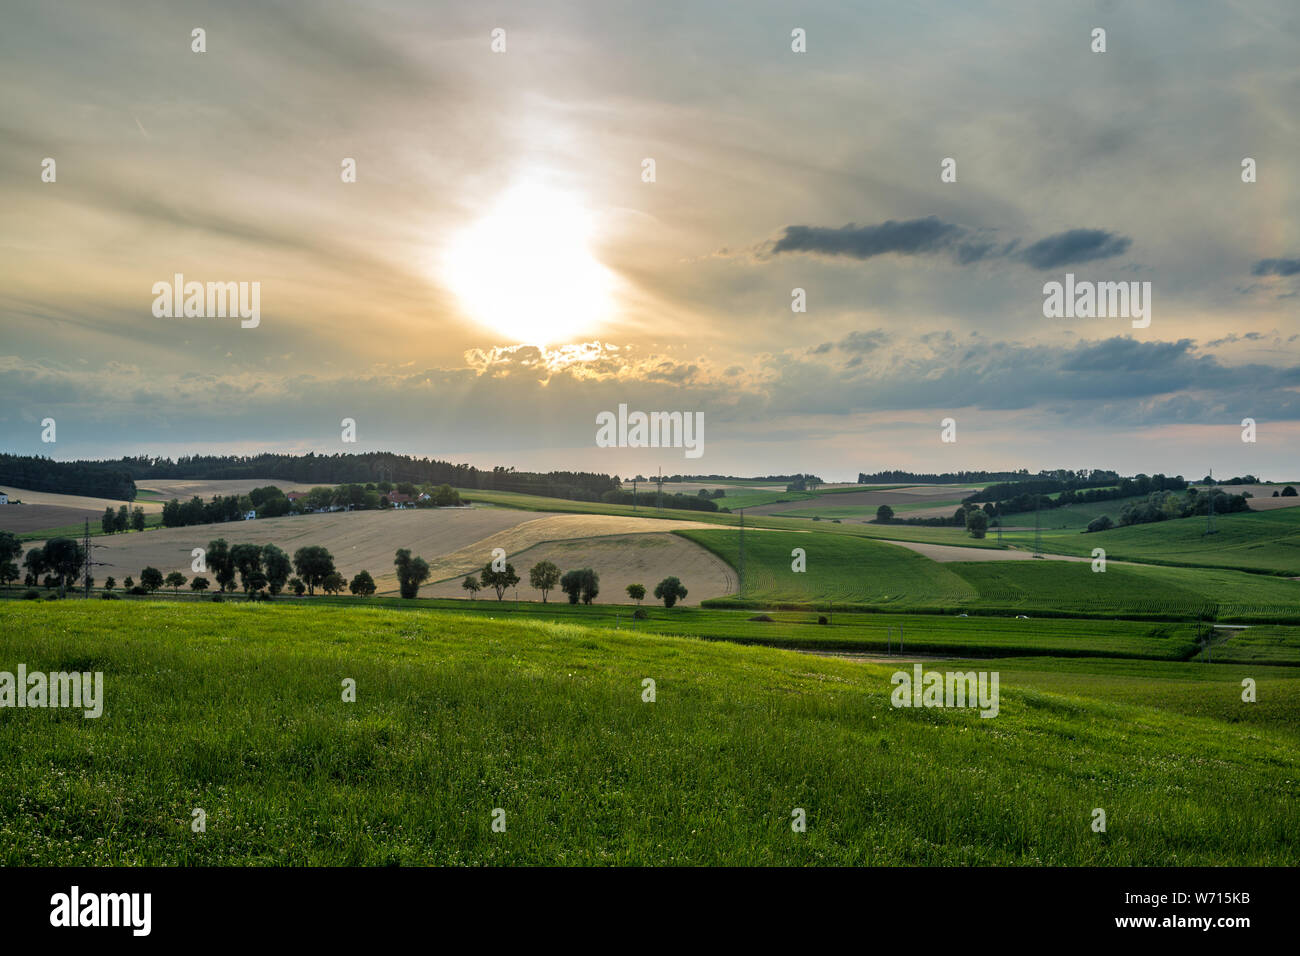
1272, 504
551, 528
452, 540
23, 519
620, 560
357, 539
185, 489
74, 501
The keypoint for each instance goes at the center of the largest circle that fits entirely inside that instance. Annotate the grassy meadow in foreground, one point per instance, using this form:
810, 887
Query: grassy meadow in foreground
236, 709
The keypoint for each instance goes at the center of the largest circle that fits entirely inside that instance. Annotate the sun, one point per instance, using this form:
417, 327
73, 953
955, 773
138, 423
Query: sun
526, 269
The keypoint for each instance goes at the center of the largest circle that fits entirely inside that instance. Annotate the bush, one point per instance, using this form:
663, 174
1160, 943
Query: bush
821, 619
1102, 523
31, 594
138, 590
109, 596
640, 614
1288, 492
217, 598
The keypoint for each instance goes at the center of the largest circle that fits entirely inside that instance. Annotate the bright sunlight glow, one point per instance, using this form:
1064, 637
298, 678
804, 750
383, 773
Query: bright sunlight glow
526, 269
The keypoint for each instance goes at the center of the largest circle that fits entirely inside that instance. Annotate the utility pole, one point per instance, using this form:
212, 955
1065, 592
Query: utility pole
659, 501
88, 563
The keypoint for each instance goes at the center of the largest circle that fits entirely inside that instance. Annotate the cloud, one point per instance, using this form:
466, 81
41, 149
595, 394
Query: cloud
911, 237
1074, 246
1276, 267
1233, 337
933, 236
863, 341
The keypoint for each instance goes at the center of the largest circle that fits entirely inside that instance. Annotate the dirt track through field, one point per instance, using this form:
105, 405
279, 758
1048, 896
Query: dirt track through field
945, 553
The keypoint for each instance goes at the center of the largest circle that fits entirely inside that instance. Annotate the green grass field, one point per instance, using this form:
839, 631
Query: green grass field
236, 709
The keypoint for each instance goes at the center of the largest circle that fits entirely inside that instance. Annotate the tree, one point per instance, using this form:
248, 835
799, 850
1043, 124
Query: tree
296, 585
8, 573
247, 559
544, 576
217, 556
499, 581
10, 550
122, 520
108, 523
151, 579
34, 562
636, 592
110, 582
363, 585
313, 563
128, 583
199, 584
65, 558
670, 590
275, 565
411, 573
137, 519
174, 581
333, 583
977, 522
581, 585
884, 514
1289, 492
471, 585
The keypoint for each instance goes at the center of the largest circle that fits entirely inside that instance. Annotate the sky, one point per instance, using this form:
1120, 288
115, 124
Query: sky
501, 270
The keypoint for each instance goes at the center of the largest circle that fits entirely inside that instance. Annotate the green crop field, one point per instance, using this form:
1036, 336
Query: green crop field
828, 510
236, 709
1263, 541
1147, 590
860, 573
1073, 517
839, 568
1260, 643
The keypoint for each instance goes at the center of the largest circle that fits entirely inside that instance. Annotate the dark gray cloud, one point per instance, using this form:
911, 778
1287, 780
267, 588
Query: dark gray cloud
933, 236
911, 237
864, 341
1276, 267
1232, 338
1075, 246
